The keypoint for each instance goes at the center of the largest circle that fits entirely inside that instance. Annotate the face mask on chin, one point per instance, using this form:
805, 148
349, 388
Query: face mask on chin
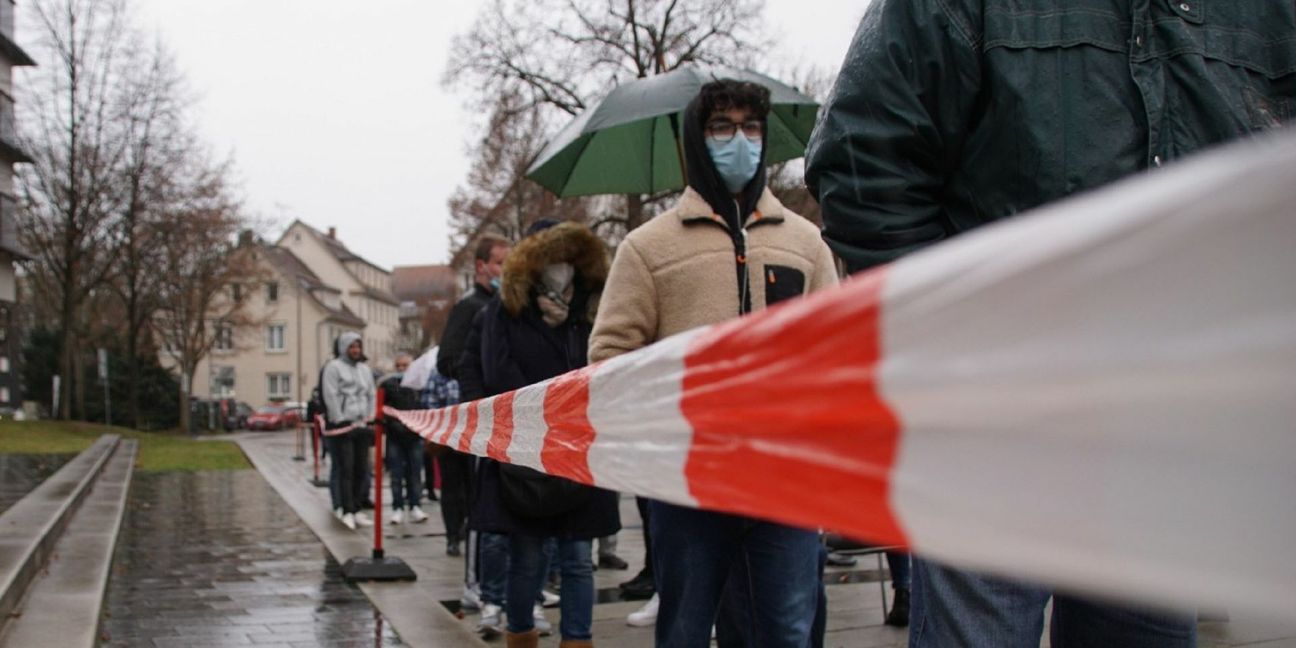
736, 160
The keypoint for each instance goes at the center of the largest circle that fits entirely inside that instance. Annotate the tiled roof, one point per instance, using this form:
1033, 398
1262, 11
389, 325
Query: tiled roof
424, 283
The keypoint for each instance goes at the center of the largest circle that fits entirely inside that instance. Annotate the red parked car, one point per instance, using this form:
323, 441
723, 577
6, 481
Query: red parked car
274, 417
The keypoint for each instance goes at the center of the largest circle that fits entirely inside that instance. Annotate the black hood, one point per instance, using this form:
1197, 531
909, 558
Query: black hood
701, 173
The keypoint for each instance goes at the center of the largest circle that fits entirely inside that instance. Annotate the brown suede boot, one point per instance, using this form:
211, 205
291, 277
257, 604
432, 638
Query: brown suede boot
576, 643
525, 640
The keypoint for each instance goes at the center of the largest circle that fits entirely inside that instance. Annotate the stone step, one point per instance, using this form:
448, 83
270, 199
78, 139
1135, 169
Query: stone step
63, 604
32, 526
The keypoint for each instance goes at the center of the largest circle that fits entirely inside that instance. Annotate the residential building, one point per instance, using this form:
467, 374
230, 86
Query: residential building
11, 251
426, 293
316, 289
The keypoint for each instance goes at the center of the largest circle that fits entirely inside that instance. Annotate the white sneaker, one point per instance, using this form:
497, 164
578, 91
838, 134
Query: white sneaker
397, 516
417, 515
646, 615
337, 512
489, 624
349, 520
470, 599
541, 623
550, 599
362, 519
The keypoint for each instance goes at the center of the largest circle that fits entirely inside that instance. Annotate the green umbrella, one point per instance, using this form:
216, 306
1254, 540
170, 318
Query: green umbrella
629, 141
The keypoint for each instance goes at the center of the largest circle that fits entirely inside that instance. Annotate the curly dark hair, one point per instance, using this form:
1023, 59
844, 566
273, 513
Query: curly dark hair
725, 94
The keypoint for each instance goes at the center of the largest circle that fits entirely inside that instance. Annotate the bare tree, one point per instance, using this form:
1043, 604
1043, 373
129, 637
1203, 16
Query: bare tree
205, 278
156, 142
537, 63
69, 194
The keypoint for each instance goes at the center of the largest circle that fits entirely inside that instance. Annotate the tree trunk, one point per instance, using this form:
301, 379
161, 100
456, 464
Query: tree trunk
65, 361
186, 383
78, 368
132, 364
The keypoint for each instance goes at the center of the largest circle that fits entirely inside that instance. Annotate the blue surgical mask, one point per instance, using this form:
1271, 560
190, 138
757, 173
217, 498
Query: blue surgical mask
736, 160
495, 284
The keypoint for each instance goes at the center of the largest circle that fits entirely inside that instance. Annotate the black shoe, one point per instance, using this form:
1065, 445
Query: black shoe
612, 561
899, 614
367, 504
452, 549
639, 587
432, 496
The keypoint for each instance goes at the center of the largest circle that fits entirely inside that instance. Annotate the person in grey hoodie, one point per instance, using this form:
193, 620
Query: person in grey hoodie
349, 398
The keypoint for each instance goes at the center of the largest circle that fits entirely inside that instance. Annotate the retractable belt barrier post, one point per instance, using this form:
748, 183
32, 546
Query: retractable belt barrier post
378, 567
1099, 396
317, 430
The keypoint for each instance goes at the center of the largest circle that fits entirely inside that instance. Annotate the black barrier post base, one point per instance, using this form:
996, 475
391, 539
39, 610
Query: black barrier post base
378, 568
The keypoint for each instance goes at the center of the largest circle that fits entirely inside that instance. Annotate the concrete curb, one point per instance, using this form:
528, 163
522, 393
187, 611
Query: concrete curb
63, 606
30, 529
413, 612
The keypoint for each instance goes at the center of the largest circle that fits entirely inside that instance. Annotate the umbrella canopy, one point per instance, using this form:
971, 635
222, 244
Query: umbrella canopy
629, 141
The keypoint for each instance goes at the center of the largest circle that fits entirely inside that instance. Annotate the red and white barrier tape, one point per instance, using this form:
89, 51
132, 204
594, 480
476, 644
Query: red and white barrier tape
1101, 396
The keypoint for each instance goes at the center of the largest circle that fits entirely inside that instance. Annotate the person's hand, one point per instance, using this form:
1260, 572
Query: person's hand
552, 311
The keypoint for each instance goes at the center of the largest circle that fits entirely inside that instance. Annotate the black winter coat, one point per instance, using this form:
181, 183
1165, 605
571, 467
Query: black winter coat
514, 353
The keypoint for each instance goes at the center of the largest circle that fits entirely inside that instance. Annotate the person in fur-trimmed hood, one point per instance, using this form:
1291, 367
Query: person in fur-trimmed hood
538, 327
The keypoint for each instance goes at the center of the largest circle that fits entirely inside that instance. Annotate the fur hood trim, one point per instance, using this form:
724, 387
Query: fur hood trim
563, 243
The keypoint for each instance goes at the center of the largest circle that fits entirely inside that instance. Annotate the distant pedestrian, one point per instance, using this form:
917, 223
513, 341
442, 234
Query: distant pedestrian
536, 328
348, 390
404, 448
727, 248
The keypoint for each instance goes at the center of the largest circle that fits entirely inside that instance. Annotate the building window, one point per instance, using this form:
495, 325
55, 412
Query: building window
272, 292
4, 364
224, 338
275, 337
4, 394
280, 385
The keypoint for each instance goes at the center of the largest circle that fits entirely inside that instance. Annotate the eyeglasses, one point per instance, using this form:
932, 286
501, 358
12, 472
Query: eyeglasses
724, 130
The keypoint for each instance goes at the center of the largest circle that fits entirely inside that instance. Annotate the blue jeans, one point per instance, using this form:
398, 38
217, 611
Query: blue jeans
527, 571
767, 572
404, 460
493, 566
957, 608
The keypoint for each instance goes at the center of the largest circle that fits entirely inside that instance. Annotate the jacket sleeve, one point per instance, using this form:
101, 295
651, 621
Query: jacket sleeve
627, 312
825, 271
370, 394
332, 392
893, 128
469, 363
456, 334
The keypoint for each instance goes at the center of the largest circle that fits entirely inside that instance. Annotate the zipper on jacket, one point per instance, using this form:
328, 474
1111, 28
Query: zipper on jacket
740, 254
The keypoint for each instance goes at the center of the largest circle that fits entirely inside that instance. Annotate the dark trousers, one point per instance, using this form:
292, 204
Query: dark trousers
645, 511
403, 458
351, 460
456, 479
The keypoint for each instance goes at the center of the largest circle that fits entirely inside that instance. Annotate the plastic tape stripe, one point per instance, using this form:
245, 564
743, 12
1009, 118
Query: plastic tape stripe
1097, 396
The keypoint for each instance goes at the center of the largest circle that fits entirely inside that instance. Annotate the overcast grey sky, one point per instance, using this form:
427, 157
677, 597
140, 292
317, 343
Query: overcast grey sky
334, 112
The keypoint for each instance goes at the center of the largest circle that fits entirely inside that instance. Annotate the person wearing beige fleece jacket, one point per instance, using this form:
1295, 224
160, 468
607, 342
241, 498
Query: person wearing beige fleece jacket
728, 248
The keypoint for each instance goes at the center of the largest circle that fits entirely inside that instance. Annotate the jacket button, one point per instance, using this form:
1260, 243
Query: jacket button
1156, 160
1138, 41
1183, 6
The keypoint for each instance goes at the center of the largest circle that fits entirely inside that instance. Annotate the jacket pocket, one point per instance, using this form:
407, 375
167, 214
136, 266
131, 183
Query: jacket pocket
782, 282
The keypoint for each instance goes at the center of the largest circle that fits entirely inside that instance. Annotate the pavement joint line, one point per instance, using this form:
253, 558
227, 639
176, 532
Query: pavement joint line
30, 528
415, 615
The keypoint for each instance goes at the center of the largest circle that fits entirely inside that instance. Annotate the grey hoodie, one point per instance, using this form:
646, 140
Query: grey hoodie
348, 386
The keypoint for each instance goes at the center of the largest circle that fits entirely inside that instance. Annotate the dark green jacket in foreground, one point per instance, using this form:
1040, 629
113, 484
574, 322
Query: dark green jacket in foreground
949, 114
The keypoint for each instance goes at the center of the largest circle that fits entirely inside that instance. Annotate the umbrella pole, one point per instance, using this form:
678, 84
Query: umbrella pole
679, 147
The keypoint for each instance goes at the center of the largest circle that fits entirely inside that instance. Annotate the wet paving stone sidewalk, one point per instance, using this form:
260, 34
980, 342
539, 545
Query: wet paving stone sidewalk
218, 559
20, 473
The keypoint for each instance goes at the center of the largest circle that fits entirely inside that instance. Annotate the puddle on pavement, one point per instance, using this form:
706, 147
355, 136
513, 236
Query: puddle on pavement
217, 559
20, 473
